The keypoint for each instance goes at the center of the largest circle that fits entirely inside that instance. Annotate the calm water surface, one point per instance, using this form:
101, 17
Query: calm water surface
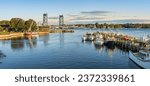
64, 51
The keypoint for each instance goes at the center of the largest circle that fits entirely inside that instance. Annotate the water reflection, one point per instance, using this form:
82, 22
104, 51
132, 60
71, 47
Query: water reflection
45, 39
99, 48
31, 41
61, 51
2, 56
61, 39
17, 44
22, 42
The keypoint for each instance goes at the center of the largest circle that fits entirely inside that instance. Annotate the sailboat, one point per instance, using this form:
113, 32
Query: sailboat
30, 33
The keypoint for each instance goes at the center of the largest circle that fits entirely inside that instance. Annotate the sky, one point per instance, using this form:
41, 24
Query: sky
78, 11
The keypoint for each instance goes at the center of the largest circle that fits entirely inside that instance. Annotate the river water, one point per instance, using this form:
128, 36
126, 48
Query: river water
65, 51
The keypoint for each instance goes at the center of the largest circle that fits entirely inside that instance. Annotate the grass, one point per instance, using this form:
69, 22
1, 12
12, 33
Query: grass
4, 33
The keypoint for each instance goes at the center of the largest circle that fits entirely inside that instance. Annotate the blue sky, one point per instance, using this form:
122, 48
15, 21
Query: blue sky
78, 11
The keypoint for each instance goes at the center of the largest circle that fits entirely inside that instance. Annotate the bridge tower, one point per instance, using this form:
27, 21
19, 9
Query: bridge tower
45, 19
61, 21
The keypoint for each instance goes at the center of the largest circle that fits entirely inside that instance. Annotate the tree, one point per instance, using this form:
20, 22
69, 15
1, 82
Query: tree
97, 25
30, 25
20, 25
17, 24
1, 29
5, 22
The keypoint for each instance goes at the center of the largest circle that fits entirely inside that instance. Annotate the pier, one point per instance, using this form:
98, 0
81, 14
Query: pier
121, 41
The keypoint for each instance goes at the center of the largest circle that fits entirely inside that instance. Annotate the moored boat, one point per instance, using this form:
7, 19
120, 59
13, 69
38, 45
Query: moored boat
142, 58
109, 43
88, 37
31, 34
99, 41
84, 37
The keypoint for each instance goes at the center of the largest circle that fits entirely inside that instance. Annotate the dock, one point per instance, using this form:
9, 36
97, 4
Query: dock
119, 40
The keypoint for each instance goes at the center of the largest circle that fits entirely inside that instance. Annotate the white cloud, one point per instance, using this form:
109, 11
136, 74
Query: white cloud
101, 17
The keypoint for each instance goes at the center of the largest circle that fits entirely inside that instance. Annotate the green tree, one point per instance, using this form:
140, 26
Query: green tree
17, 24
5, 22
30, 25
97, 25
1, 29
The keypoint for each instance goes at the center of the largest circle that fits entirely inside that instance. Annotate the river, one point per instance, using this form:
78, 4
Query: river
65, 51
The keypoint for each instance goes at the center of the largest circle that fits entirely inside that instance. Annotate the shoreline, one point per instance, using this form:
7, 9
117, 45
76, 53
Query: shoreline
18, 34
40, 33
11, 35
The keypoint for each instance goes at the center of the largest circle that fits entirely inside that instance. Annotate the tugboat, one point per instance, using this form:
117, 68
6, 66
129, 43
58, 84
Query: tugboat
142, 58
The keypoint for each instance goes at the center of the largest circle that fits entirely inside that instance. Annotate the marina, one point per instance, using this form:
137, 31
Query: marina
122, 41
67, 50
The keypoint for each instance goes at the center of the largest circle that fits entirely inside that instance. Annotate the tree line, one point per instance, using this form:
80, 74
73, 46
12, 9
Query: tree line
105, 25
18, 25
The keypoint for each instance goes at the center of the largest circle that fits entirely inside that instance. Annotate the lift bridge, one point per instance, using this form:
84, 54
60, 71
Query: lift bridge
46, 18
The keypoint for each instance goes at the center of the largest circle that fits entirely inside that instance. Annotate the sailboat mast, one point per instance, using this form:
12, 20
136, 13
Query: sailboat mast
30, 27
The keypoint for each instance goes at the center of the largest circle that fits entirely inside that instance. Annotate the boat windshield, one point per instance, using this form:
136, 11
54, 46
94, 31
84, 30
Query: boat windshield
145, 54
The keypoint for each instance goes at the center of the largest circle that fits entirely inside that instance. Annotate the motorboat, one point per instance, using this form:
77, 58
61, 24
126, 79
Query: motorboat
88, 37
84, 37
141, 58
99, 40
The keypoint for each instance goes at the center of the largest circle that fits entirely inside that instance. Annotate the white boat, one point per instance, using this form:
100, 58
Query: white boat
88, 37
99, 41
84, 38
142, 58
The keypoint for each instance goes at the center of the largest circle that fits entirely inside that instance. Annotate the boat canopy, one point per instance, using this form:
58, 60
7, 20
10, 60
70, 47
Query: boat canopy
145, 54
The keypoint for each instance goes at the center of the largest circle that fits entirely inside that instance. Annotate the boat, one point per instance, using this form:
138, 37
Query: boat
145, 38
84, 38
88, 37
109, 43
30, 33
33, 34
142, 58
99, 40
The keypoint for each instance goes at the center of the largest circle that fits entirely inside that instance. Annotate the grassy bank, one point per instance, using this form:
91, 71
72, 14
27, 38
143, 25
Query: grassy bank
9, 35
4, 33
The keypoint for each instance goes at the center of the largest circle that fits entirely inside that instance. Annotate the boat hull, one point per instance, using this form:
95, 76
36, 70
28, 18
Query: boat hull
98, 43
110, 44
142, 64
